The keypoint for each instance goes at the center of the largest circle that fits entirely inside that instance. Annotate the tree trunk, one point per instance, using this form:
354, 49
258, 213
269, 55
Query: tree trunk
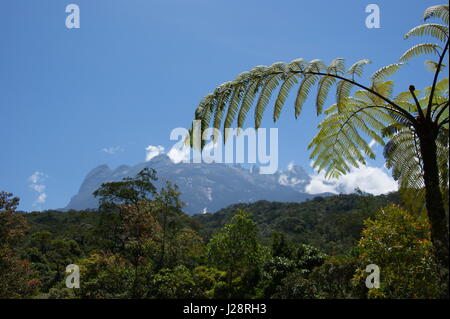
434, 201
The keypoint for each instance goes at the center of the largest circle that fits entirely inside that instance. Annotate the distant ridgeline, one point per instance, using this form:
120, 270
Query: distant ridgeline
204, 187
332, 223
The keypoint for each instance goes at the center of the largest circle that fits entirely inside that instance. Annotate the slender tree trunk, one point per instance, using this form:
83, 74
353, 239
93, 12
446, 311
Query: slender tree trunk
434, 201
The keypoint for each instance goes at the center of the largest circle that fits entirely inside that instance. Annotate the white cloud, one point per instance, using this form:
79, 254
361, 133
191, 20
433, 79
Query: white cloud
373, 180
180, 154
290, 166
37, 179
112, 149
41, 198
152, 151
38, 188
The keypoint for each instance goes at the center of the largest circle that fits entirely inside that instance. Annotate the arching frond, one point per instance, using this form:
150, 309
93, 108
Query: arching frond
337, 66
324, 87
343, 89
303, 90
287, 85
385, 89
420, 49
402, 154
247, 102
358, 67
434, 30
266, 92
386, 71
343, 136
432, 66
439, 11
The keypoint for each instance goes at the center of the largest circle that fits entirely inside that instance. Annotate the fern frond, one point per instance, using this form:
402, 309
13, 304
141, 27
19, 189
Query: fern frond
386, 71
419, 49
385, 89
247, 102
303, 90
432, 66
270, 84
439, 11
343, 89
283, 94
324, 86
337, 66
358, 67
341, 141
434, 30
224, 92
233, 107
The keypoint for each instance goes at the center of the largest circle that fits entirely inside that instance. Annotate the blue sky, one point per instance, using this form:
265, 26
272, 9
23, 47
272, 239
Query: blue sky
137, 69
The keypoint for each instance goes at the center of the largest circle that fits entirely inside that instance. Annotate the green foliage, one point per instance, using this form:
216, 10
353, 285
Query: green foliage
402, 152
400, 245
416, 127
129, 190
332, 223
235, 263
342, 138
236, 250
296, 286
107, 276
182, 283
17, 278
334, 278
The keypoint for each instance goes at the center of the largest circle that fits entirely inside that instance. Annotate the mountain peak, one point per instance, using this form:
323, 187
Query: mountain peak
204, 186
160, 158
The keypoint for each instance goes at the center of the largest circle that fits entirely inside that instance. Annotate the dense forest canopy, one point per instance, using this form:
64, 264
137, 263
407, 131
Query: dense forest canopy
257, 250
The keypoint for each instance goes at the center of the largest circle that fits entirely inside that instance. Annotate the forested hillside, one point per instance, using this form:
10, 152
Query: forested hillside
135, 247
331, 223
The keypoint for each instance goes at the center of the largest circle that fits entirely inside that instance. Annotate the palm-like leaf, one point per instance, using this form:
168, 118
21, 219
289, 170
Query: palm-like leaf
419, 49
439, 11
342, 140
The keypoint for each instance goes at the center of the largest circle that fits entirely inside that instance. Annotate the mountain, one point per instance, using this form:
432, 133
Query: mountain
204, 187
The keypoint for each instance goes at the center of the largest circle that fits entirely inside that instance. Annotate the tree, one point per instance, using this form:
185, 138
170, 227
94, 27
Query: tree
128, 226
106, 276
372, 112
169, 204
17, 279
13, 226
280, 247
334, 278
180, 282
296, 286
400, 245
236, 250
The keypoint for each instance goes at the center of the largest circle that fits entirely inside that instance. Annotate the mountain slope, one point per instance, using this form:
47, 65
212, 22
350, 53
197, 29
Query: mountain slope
332, 223
204, 187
